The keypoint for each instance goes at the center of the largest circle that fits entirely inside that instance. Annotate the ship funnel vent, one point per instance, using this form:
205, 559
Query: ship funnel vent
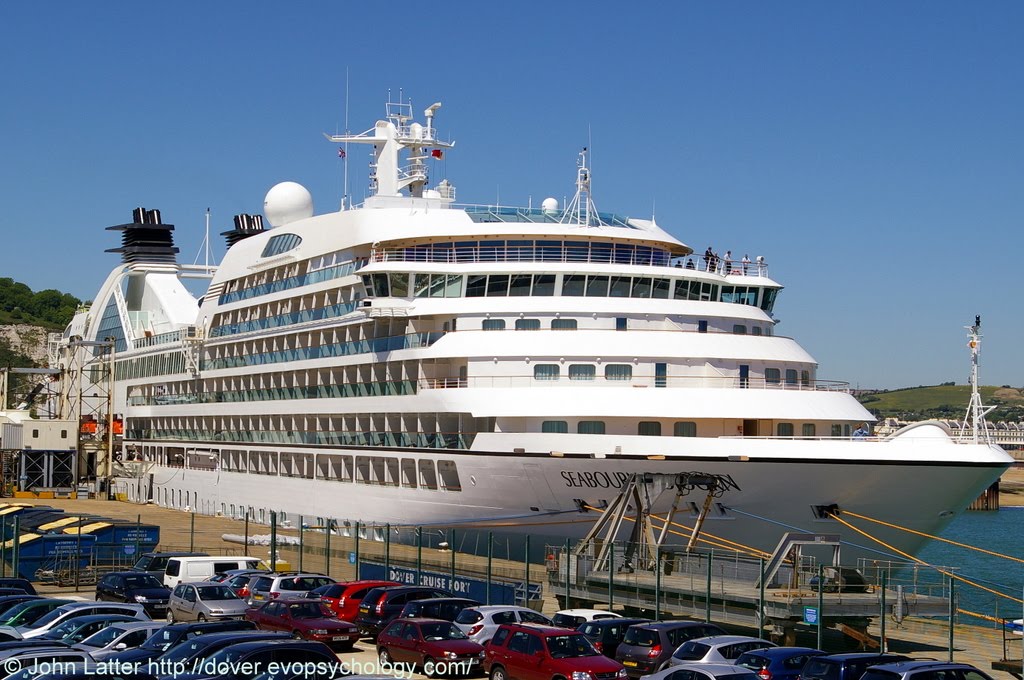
146, 239
245, 226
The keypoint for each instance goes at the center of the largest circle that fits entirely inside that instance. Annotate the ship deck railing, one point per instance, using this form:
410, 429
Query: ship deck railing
656, 382
583, 252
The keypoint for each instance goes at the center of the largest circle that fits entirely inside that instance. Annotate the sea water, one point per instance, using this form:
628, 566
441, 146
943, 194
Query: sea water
1001, 532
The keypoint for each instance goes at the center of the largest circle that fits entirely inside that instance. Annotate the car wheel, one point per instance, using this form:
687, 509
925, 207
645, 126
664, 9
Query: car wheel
201, 618
498, 673
384, 657
429, 667
170, 616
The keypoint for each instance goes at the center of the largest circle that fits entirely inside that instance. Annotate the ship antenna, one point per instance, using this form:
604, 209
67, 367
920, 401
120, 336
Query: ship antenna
975, 410
581, 209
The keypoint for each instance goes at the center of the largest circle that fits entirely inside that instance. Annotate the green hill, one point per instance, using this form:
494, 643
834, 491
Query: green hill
944, 402
49, 308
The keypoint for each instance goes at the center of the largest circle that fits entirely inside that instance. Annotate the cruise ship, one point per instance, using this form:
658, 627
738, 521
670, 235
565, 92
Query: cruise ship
413, 361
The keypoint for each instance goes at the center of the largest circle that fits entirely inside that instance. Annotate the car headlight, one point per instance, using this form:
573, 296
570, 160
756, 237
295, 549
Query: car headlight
581, 675
141, 598
451, 655
318, 631
621, 674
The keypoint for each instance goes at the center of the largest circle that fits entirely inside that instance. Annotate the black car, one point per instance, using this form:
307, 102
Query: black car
381, 606
445, 608
255, 659
154, 563
22, 584
647, 647
607, 634
134, 586
174, 634
844, 666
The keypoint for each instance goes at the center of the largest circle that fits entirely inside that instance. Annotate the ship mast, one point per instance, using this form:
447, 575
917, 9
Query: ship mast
976, 411
581, 209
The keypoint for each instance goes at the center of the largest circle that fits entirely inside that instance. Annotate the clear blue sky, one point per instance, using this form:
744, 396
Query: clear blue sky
872, 151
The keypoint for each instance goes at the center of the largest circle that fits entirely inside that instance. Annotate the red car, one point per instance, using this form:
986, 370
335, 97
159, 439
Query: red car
307, 619
436, 646
531, 652
343, 598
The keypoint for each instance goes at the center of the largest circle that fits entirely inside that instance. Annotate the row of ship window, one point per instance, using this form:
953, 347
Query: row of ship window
404, 285
653, 428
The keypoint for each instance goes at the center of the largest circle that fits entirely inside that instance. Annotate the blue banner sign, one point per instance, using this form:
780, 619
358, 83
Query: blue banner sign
502, 592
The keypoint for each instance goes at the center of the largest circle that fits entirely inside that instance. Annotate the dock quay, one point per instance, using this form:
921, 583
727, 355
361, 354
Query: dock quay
918, 634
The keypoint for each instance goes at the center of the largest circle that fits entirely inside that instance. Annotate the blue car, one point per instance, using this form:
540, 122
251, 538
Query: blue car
778, 663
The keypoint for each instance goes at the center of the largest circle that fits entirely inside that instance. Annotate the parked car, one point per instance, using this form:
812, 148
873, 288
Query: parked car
171, 635
117, 637
133, 586
203, 646
717, 649
573, 618
848, 666
9, 601
26, 659
74, 630
269, 586
646, 648
703, 671
778, 663
196, 568
924, 670
607, 634
154, 563
239, 579
480, 623
204, 601
436, 646
529, 652
344, 598
444, 608
252, 660
305, 618
381, 606
22, 584
11, 591
74, 610
28, 612
88, 669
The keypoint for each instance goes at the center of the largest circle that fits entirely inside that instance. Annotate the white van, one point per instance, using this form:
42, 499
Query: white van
194, 569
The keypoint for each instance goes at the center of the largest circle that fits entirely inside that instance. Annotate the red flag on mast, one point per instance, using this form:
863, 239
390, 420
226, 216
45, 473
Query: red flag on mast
436, 153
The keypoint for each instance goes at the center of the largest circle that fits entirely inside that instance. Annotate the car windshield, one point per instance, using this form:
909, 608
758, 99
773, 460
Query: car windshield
467, 616
568, 646
50, 617
441, 631
137, 582
567, 621
103, 637
308, 610
754, 662
640, 637
226, 655
186, 650
144, 563
61, 629
820, 670
692, 651
162, 640
216, 593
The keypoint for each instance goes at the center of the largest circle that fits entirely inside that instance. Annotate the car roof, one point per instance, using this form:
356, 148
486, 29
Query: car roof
715, 640
489, 608
616, 621
132, 625
844, 656
672, 625
781, 651
428, 600
126, 573
253, 645
914, 664
541, 628
586, 612
113, 618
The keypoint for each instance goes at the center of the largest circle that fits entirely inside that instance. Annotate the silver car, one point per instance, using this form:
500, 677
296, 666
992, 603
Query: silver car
75, 609
716, 649
479, 623
118, 637
703, 671
204, 601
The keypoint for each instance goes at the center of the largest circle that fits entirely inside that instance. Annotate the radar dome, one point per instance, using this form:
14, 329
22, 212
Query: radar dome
287, 202
549, 205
